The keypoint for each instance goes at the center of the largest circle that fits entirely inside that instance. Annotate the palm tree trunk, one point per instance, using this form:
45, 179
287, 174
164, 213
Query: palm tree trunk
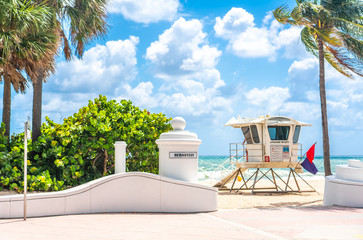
324, 111
7, 104
37, 107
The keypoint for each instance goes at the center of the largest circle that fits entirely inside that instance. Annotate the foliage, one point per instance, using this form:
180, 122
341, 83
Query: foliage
82, 147
12, 165
26, 42
338, 24
77, 23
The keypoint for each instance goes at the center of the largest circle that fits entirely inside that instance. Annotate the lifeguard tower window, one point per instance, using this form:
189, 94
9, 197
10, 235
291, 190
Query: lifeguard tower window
251, 134
256, 139
247, 134
279, 132
296, 133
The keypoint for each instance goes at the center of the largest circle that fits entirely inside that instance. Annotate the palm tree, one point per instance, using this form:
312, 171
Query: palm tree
24, 41
87, 21
332, 31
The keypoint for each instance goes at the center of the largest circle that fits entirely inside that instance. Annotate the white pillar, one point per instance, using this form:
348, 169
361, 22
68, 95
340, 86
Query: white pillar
120, 157
178, 153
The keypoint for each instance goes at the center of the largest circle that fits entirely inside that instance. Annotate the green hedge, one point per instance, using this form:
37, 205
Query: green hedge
82, 147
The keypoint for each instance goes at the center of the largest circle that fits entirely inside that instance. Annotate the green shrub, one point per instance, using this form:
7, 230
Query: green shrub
82, 147
12, 165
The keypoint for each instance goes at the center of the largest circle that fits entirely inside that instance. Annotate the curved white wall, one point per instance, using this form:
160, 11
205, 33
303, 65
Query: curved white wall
343, 193
346, 187
123, 192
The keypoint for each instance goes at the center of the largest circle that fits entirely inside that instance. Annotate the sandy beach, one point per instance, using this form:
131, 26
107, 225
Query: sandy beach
246, 199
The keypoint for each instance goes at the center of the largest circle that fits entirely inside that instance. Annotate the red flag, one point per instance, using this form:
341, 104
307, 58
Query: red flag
311, 153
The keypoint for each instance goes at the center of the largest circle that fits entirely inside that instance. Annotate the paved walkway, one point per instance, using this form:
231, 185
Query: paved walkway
272, 223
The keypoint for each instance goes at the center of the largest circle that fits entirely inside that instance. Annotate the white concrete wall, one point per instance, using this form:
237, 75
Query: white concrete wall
342, 192
123, 192
346, 187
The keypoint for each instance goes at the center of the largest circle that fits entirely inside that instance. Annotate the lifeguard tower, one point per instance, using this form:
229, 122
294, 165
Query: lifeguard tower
269, 143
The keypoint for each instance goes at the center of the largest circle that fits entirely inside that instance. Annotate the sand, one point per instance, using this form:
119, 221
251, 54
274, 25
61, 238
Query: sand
245, 199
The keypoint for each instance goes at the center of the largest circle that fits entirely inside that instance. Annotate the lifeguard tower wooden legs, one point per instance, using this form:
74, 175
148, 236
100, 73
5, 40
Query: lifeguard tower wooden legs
278, 184
294, 174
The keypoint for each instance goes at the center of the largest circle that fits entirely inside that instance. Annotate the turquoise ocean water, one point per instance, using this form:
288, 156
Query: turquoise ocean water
207, 165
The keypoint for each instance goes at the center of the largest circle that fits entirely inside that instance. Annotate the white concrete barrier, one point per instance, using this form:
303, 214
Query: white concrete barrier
123, 192
175, 190
346, 187
342, 192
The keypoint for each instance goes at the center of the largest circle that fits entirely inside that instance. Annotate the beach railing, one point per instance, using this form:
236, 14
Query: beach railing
237, 152
221, 171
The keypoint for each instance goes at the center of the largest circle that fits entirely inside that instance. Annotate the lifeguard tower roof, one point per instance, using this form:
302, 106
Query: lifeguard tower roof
274, 120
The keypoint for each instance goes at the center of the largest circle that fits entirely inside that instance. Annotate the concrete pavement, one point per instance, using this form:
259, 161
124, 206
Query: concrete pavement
271, 223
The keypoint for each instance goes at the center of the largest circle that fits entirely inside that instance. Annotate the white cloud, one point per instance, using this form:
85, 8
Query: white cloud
344, 95
182, 58
303, 77
277, 101
102, 68
270, 99
182, 49
141, 95
145, 11
303, 65
305, 111
206, 102
236, 20
247, 40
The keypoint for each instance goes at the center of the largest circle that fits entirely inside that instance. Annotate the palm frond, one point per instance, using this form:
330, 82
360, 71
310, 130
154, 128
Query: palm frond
27, 38
336, 65
282, 14
344, 61
351, 10
66, 47
354, 46
296, 14
329, 35
16, 78
349, 27
87, 22
309, 41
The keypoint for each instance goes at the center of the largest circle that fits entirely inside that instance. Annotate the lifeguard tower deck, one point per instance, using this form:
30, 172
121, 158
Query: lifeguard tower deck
270, 143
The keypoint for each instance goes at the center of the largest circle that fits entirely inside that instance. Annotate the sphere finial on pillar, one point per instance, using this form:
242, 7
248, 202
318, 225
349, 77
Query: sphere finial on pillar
178, 123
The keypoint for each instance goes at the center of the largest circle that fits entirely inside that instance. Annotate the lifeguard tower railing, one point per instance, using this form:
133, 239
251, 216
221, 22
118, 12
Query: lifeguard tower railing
237, 152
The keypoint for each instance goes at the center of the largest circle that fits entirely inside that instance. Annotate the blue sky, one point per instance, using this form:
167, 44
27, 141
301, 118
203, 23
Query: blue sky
206, 61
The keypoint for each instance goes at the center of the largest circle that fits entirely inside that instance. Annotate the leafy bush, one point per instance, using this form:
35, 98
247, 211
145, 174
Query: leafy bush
82, 147
12, 165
